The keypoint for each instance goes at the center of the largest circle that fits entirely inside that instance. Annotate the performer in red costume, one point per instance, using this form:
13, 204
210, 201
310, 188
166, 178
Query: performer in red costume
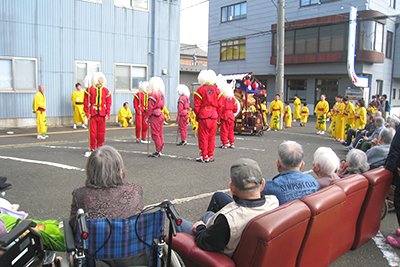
140, 103
229, 108
207, 107
183, 109
97, 105
154, 114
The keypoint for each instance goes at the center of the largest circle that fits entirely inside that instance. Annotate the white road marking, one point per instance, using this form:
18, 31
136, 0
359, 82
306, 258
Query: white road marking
388, 252
58, 165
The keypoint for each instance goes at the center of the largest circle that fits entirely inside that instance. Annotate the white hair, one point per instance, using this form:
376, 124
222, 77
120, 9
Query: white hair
327, 160
387, 135
156, 84
357, 160
290, 154
96, 76
207, 77
183, 90
143, 87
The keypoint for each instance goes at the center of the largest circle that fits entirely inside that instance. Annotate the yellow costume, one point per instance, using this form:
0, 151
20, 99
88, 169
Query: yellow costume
39, 107
304, 115
275, 109
192, 119
77, 103
297, 107
287, 116
361, 118
372, 110
332, 127
265, 112
125, 117
321, 109
348, 121
339, 127
165, 112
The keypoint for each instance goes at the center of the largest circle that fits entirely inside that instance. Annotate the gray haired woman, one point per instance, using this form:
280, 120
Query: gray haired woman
105, 193
325, 163
356, 162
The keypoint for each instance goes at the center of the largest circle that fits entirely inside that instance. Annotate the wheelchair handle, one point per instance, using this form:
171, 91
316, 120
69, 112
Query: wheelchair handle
82, 224
169, 207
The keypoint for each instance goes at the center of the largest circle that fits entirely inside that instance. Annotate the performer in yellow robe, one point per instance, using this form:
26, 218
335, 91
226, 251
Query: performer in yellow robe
320, 110
332, 126
339, 127
77, 103
192, 119
39, 108
297, 107
265, 111
275, 109
125, 116
165, 112
287, 115
348, 113
304, 115
360, 115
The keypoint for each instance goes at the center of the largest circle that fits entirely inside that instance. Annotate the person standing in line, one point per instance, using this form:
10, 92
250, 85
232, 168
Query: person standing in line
304, 114
288, 115
348, 114
229, 107
297, 107
97, 106
154, 113
77, 103
332, 126
140, 103
385, 107
275, 109
360, 115
321, 109
339, 128
125, 116
39, 108
207, 107
183, 109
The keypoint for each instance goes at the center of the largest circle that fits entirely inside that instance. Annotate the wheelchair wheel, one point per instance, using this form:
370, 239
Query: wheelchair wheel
385, 209
176, 261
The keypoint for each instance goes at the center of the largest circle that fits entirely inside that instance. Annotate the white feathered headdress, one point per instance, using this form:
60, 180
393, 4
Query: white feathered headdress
96, 76
143, 87
183, 90
156, 84
207, 77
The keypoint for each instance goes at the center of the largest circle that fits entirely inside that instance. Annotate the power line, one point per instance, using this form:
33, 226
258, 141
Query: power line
195, 5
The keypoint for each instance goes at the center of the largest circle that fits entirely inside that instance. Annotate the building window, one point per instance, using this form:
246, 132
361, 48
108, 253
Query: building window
128, 76
83, 68
306, 41
18, 74
139, 4
234, 12
379, 87
392, 4
370, 36
332, 38
298, 87
233, 50
394, 94
313, 2
389, 44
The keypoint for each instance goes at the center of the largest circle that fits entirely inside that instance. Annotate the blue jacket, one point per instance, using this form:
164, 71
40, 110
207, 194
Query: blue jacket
290, 185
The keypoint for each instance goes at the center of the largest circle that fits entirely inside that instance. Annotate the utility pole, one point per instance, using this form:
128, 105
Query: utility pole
280, 64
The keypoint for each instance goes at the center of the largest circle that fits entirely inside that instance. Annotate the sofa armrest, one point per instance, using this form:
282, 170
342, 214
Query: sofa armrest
192, 255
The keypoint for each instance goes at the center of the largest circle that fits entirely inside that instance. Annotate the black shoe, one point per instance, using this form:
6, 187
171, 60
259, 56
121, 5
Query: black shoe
223, 147
301, 124
183, 143
155, 154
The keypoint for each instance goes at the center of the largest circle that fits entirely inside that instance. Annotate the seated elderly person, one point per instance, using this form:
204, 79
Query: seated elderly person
358, 134
220, 231
366, 143
290, 183
325, 163
356, 162
376, 155
106, 193
393, 122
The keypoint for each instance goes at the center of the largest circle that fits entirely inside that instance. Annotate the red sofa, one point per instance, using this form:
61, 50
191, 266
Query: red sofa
312, 231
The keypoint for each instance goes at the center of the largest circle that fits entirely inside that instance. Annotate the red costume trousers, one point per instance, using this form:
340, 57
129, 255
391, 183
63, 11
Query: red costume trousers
156, 125
141, 126
97, 131
182, 122
227, 132
207, 130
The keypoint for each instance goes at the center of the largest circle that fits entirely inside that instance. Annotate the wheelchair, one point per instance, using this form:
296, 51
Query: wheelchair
136, 241
23, 246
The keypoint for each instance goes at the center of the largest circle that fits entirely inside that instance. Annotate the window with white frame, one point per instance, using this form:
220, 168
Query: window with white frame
140, 4
18, 74
83, 68
370, 36
128, 76
234, 12
394, 93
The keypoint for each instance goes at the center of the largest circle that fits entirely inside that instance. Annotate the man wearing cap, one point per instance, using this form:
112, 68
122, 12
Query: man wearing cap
221, 227
290, 183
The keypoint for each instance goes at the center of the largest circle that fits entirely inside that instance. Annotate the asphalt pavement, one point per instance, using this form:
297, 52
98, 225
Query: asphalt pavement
43, 173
